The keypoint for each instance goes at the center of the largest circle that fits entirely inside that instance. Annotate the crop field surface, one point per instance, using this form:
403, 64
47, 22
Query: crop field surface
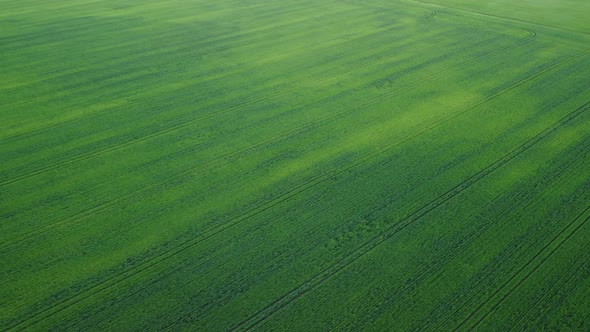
380, 165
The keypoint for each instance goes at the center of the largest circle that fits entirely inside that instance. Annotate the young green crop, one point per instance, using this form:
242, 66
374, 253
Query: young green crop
294, 165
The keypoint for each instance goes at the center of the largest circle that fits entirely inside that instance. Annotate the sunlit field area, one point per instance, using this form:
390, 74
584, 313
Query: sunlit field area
294, 165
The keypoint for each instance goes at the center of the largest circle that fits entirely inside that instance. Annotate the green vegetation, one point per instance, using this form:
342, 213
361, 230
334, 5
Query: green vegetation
294, 165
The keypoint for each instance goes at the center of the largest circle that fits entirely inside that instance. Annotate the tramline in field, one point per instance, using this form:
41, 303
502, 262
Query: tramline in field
294, 165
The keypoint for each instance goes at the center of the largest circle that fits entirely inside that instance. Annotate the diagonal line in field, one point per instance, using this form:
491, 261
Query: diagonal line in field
312, 124
223, 37
154, 261
522, 269
505, 18
174, 127
370, 245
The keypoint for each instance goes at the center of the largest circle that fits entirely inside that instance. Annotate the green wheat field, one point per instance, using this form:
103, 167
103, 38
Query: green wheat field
294, 165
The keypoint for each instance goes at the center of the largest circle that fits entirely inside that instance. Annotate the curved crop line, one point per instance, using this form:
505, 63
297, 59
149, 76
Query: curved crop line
154, 261
207, 116
526, 276
505, 18
163, 182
